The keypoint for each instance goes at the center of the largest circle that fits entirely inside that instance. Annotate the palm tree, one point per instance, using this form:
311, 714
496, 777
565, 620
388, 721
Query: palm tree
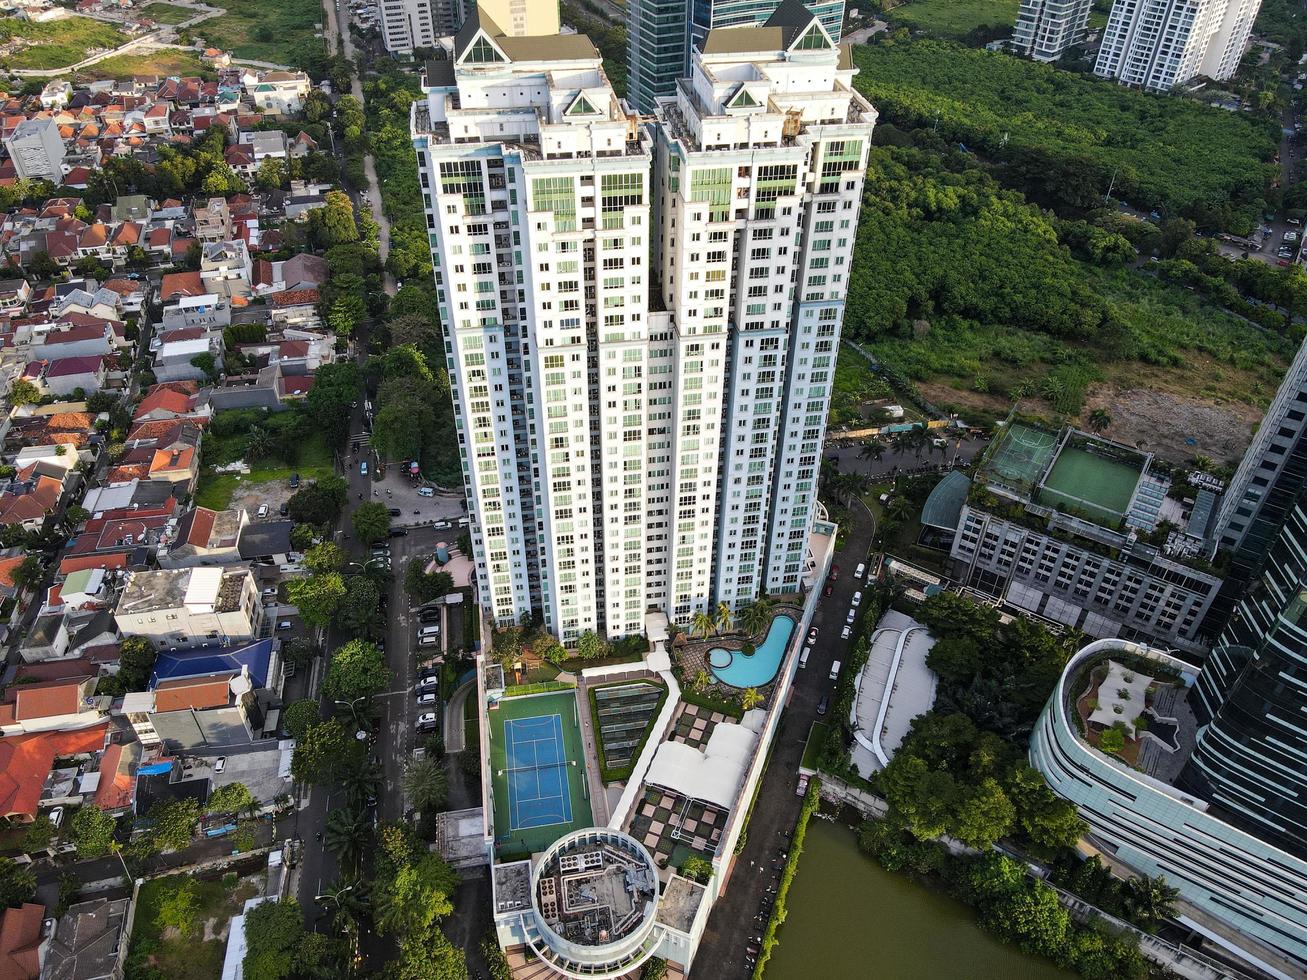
425, 783
702, 624
361, 784
259, 442
725, 619
700, 681
873, 450
899, 508
1149, 900
756, 615
1099, 420
750, 698
346, 833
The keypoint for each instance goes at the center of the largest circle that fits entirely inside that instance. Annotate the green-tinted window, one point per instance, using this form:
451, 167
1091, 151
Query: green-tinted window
617, 192
712, 185
483, 52
814, 40
556, 194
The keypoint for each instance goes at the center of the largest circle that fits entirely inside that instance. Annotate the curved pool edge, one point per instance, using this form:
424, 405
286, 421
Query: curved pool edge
760, 656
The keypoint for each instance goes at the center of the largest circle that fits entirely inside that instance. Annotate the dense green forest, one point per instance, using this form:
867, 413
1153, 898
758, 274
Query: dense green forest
956, 278
1064, 138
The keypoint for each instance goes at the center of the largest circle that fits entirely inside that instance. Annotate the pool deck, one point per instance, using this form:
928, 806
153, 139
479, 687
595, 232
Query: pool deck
694, 653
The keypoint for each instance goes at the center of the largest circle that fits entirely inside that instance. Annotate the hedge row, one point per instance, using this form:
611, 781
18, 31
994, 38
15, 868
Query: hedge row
811, 799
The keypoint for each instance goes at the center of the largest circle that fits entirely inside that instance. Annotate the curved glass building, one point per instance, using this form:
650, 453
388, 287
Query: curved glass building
1245, 882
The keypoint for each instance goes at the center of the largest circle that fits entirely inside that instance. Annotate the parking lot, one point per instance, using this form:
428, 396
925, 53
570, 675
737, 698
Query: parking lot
396, 490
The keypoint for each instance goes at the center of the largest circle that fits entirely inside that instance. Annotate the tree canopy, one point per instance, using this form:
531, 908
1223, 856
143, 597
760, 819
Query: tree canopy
1070, 134
358, 669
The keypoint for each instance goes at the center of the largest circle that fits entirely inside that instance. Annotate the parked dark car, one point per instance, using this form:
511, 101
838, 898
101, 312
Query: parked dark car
399, 532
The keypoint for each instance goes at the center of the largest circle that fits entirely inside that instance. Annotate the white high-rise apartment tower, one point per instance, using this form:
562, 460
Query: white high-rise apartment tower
1046, 28
1157, 44
641, 367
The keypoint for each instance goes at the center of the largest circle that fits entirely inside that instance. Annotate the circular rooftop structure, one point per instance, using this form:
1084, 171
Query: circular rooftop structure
595, 894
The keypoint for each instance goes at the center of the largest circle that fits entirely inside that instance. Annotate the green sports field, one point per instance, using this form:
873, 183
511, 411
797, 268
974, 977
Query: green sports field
538, 771
1096, 486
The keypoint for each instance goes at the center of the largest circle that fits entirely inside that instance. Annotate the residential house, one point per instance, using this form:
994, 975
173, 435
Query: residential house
21, 933
281, 92
37, 150
27, 763
172, 362
14, 296
207, 310
295, 309
90, 941
205, 537
191, 607
49, 706
265, 144
212, 220
68, 374
225, 268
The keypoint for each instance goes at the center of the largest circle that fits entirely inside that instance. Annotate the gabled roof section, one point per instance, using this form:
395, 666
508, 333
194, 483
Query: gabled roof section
789, 28
814, 38
581, 106
742, 100
475, 43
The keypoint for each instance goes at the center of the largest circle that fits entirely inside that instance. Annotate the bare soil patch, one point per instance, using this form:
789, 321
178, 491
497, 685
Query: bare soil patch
1163, 422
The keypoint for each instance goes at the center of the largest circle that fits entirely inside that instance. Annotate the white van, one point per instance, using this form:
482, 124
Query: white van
835, 670
803, 657
860, 571
429, 631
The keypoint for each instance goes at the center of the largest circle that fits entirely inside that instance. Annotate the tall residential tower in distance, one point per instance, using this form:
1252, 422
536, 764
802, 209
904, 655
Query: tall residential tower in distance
1157, 44
661, 34
641, 365
1046, 28
410, 24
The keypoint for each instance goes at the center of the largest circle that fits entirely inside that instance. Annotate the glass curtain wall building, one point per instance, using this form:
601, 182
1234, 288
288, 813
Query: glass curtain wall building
1251, 701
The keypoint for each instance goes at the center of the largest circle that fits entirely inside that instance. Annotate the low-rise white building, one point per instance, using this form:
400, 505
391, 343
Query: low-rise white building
191, 607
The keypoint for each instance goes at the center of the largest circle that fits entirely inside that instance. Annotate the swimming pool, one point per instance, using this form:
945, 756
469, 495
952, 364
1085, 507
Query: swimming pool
734, 668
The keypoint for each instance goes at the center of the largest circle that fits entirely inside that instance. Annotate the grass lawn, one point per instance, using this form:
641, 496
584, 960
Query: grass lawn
954, 18
175, 956
812, 748
281, 33
57, 43
215, 490
165, 62
167, 13
855, 383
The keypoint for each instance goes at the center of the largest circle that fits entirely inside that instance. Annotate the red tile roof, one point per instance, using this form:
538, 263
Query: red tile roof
164, 400
46, 699
177, 284
78, 563
201, 527
20, 942
26, 761
293, 297
117, 781
212, 691
7, 566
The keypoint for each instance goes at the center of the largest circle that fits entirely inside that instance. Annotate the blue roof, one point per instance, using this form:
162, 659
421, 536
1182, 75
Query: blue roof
256, 656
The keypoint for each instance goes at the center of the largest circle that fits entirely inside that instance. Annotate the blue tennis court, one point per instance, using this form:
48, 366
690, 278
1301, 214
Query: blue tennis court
537, 772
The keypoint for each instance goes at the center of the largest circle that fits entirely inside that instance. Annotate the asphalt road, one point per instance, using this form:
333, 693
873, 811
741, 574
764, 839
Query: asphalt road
851, 460
735, 918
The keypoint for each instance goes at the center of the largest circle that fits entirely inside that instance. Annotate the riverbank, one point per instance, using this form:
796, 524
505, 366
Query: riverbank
849, 917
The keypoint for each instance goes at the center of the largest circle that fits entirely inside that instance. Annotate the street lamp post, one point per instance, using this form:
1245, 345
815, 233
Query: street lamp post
353, 710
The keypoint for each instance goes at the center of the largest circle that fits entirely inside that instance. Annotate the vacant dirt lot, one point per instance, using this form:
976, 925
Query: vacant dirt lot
274, 493
1162, 423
